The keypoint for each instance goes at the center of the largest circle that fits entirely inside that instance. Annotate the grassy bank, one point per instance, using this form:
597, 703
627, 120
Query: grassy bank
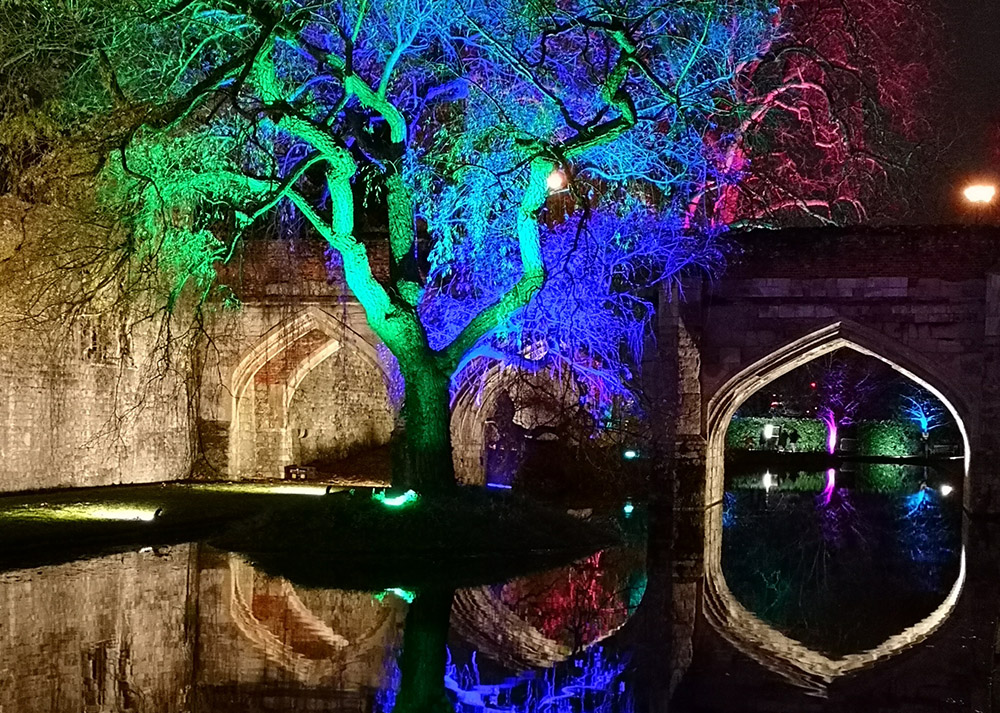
350, 539
301, 532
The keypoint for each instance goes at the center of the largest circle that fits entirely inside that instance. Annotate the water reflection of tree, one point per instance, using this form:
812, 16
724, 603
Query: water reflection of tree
429, 681
581, 603
840, 577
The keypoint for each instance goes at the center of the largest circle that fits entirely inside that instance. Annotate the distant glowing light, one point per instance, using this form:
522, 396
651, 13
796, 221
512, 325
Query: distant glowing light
499, 486
397, 501
630, 454
769, 430
947, 490
299, 489
629, 508
768, 480
556, 181
122, 514
980, 193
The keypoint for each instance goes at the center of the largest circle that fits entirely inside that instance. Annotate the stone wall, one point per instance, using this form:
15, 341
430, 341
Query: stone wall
103, 635
85, 397
341, 406
72, 417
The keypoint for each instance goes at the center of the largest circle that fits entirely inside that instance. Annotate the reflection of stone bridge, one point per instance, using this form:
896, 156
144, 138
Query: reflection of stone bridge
927, 302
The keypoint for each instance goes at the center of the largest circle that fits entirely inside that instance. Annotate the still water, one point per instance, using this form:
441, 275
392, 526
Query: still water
842, 559
191, 628
838, 560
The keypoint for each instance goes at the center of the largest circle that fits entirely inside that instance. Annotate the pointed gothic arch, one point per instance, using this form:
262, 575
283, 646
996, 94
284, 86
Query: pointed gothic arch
278, 363
787, 657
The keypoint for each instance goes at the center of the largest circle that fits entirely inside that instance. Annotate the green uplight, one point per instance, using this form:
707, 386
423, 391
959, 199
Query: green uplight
397, 501
630, 454
629, 508
405, 594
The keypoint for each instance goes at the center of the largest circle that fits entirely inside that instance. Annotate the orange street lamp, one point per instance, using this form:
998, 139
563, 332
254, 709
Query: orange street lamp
980, 193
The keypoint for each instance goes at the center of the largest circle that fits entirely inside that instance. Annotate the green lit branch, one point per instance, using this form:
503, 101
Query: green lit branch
532, 266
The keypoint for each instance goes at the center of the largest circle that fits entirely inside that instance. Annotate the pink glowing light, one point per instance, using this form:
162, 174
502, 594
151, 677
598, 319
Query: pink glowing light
827, 417
831, 483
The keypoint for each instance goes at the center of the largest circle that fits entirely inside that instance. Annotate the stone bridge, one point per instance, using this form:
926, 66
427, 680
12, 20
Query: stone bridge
926, 301
296, 375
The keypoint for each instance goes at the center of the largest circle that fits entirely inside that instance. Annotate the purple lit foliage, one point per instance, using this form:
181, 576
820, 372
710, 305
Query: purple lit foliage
844, 388
583, 320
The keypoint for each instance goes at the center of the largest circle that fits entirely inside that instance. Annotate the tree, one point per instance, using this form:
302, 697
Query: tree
835, 116
845, 386
924, 410
458, 122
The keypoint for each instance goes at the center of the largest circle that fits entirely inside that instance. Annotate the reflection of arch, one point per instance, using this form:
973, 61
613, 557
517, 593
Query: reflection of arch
495, 630
352, 657
280, 361
762, 643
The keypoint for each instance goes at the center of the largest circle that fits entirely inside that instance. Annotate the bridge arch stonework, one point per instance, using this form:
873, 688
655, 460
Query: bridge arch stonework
927, 302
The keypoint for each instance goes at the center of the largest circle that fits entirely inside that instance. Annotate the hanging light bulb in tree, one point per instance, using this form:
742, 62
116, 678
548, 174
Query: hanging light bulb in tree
556, 181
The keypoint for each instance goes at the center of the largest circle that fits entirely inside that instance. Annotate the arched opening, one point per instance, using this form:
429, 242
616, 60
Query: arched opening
807, 665
309, 393
539, 432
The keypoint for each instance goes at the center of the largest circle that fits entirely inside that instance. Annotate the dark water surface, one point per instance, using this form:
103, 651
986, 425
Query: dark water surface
191, 628
842, 559
839, 560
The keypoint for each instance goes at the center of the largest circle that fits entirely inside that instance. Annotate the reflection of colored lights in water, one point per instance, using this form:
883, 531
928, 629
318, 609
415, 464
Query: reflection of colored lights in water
592, 683
918, 501
831, 482
728, 509
578, 604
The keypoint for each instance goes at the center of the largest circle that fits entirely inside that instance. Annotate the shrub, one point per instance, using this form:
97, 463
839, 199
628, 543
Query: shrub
746, 430
889, 438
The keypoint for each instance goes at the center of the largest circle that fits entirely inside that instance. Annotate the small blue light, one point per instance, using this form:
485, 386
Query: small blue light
499, 485
629, 508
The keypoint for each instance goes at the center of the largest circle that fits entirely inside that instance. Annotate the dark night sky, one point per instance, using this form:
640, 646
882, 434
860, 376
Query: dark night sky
973, 122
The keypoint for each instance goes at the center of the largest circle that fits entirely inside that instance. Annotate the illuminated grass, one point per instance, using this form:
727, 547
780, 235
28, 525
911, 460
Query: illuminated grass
59, 525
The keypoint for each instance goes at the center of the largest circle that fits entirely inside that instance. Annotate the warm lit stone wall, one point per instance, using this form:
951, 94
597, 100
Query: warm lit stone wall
85, 398
341, 406
103, 635
73, 416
